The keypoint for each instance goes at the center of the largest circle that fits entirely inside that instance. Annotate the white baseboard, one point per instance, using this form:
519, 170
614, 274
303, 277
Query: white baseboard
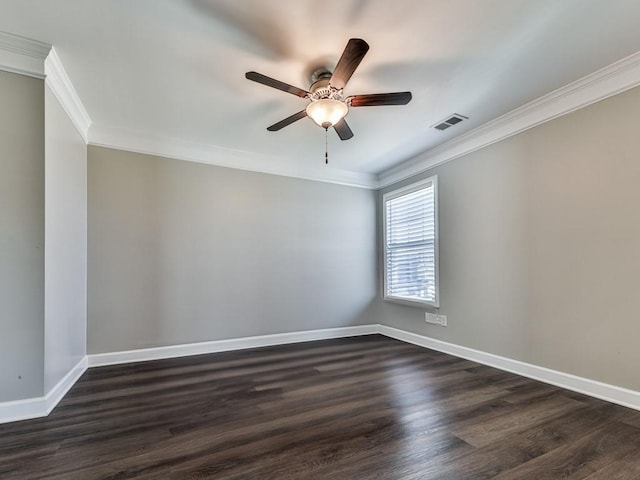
593, 388
37, 407
215, 346
41, 406
26, 409
57, 393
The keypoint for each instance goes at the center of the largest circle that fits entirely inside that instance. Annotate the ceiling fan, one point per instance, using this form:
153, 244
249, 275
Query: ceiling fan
328, 105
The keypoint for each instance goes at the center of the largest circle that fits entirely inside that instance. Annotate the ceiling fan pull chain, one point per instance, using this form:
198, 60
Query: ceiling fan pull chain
326, 145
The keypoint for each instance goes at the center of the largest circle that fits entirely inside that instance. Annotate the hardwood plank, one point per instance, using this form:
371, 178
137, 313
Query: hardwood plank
358, 408
515, 450
622, 469
582, 458
518, 419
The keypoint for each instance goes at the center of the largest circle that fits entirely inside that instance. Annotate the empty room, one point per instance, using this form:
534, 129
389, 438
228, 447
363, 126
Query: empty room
215, 263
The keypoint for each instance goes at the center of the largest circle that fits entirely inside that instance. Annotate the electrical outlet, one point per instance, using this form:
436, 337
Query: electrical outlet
435, 318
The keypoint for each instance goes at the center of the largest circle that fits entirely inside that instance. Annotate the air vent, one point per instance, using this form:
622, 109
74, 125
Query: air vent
449, 122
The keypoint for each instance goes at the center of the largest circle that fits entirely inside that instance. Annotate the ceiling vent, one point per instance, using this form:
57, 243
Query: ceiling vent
449, 122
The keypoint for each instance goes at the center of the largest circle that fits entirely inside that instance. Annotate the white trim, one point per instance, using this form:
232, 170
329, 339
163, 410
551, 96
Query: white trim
606, 82
224, 157
413, 187
61, 86
41, 406
215, 346
593, 388
22, 55
26, 409
57, 393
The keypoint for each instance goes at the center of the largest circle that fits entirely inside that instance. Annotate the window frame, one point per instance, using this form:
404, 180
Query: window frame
399, 192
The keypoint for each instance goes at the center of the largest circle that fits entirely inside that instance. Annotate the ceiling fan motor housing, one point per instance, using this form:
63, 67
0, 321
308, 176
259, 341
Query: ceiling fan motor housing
319, 77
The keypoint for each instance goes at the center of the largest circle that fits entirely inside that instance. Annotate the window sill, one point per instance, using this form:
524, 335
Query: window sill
410, 302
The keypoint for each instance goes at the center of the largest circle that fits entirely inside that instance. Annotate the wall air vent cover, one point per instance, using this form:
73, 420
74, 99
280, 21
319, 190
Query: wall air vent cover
449, 122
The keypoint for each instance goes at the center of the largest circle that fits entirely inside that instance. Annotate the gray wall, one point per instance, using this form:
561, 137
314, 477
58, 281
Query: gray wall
183, 252
66, 243
21, 236
540, 246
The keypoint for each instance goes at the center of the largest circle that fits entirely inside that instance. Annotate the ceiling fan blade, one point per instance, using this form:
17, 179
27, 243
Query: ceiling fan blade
343, 130
287, 121
353, 54
272, 82
377, 99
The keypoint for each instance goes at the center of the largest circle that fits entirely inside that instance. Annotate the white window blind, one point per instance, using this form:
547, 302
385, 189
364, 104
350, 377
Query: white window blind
411, 247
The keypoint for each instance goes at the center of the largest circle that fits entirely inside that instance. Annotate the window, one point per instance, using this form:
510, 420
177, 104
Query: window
411, 243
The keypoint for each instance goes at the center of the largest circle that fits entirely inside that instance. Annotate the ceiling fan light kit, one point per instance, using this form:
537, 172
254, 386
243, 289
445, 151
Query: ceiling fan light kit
327, 104
326, 112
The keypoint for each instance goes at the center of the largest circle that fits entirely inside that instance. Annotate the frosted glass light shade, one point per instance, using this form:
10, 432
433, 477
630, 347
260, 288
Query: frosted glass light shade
327, 112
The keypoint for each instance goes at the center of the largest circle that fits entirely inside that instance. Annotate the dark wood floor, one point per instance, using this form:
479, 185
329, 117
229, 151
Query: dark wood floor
360, 408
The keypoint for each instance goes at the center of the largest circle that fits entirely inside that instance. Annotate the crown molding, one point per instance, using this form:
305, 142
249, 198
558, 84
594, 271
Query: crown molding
60, 84
223, 157
22, 55
606, 82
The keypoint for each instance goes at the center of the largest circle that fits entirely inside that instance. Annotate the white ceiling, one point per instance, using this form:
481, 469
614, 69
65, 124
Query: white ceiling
174, 69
